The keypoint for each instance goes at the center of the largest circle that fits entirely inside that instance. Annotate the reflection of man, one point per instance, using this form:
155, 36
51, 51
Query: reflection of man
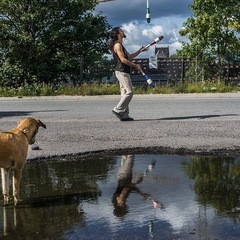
125, 186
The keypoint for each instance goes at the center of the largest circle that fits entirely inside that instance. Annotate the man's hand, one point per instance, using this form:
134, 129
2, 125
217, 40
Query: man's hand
138, 67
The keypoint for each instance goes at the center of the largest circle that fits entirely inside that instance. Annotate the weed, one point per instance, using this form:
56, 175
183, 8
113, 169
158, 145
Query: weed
113, 89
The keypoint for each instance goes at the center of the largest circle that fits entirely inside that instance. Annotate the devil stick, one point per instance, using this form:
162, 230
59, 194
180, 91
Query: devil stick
153, 42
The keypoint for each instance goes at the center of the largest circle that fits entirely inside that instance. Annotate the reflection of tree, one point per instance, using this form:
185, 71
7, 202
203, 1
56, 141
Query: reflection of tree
65, 178
52, 193
40, 222
217, 182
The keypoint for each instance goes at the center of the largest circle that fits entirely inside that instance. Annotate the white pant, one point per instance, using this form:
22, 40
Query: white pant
126, 89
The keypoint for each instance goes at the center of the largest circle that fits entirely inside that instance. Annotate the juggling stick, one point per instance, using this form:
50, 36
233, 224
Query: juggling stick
153, 42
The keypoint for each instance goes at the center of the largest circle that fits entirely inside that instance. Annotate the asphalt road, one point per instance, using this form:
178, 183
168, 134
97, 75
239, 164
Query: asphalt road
179, 124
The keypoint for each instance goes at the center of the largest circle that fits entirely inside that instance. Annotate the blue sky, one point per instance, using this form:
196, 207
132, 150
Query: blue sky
167, 18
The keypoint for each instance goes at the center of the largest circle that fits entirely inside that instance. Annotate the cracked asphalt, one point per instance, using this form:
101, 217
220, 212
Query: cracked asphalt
206, 124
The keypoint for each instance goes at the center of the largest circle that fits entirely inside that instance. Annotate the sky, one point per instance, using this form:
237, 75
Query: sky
167, 18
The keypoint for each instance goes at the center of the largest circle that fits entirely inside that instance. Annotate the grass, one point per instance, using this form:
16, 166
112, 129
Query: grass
113, 89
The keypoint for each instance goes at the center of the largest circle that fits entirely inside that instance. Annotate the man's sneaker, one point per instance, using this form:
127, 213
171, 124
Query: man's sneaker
118, 115
127, 119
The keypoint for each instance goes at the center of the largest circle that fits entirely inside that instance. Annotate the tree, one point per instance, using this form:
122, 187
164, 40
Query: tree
103, 68
44, 41
212, 31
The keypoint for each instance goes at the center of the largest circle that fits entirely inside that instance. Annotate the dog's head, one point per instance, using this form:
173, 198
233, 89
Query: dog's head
29, 126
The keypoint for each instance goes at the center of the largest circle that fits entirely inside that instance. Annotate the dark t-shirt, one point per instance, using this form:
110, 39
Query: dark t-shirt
121, 67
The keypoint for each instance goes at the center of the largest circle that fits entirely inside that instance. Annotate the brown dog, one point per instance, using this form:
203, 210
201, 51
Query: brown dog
13, 153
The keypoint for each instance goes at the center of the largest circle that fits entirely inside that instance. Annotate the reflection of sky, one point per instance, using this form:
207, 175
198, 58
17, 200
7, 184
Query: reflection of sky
166, 183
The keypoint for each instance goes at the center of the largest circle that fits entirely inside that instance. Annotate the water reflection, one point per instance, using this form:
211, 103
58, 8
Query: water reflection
51, 196
126, 186
217, 183
39, 223
127, 197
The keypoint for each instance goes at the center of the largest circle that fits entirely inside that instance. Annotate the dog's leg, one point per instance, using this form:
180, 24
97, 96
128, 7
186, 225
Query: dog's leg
17, 174
5, 185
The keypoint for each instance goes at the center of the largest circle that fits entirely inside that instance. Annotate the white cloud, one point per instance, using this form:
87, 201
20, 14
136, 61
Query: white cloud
154, 31
140, 35
167, 18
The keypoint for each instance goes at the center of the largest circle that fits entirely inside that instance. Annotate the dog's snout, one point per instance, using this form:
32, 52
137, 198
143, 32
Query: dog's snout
41, 124
32, 141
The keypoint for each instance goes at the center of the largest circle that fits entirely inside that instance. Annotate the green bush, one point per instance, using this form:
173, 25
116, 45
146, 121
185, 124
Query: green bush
113, 89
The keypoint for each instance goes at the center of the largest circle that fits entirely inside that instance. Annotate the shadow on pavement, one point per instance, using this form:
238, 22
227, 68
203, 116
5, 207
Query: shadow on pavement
189, 117
23, 113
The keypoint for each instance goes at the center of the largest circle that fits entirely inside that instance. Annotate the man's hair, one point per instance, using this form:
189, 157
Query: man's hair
113, 37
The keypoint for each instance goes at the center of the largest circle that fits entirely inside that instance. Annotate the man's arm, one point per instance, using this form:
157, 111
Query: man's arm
133, 55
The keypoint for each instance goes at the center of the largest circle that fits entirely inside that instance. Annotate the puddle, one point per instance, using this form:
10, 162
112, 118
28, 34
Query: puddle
127, 197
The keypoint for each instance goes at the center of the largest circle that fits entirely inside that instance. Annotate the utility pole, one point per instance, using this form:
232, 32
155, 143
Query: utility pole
81, 69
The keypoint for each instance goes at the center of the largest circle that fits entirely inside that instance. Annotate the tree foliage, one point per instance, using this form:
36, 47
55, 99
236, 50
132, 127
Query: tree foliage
213, 31
44, 40
216, 182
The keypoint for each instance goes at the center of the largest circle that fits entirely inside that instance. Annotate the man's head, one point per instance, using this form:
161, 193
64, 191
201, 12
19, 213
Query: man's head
116, 32
116, 35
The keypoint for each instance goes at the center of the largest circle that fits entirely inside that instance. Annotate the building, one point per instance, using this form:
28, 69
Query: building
165, 70
161, 68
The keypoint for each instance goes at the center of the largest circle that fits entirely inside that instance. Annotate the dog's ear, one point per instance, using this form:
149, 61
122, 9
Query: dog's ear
41, 124
25, 130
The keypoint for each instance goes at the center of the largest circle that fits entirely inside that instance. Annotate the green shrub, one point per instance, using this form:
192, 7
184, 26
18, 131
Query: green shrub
113, 89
